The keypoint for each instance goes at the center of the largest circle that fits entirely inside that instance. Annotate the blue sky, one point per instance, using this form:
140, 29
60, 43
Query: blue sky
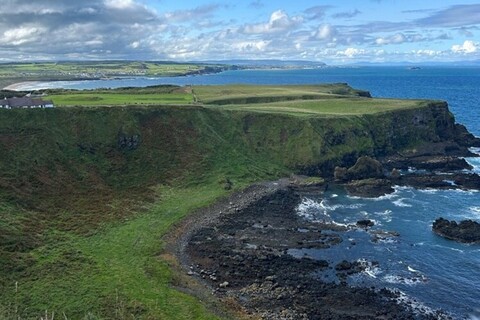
335, 32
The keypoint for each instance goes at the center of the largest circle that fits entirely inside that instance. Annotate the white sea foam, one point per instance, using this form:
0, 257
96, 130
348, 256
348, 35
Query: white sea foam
381, 198
388, 240
311, 209
401, 203
412, 270
385, 215
450, 248
369, 268
396, 279
475, 150
417, 306
475, 211
429, 191
475, 163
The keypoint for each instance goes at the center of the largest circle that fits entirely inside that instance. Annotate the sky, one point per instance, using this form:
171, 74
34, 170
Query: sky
331, 31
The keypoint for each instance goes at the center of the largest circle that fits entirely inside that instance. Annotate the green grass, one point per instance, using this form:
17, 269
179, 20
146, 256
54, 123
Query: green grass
116, 273
115, 99
331, 107
231, 94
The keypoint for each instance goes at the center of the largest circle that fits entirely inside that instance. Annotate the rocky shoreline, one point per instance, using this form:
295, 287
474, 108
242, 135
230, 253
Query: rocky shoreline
244, 255
240, 249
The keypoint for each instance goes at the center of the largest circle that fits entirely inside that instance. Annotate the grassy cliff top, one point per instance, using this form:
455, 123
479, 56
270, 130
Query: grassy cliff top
325, 99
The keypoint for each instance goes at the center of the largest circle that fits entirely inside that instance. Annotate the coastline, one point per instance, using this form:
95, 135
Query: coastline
211, 253
17, 86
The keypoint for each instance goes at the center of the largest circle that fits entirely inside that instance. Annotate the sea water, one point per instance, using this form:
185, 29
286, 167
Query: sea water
432, 271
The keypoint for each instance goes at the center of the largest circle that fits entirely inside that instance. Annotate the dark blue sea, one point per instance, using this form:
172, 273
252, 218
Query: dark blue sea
429, 271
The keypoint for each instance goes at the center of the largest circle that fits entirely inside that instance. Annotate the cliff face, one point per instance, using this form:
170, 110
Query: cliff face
65, 171
72, 150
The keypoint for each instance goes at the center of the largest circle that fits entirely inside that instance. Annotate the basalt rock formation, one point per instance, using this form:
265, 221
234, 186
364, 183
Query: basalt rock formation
467, 231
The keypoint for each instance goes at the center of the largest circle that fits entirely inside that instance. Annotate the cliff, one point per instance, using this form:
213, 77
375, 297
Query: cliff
86, 193
71, 150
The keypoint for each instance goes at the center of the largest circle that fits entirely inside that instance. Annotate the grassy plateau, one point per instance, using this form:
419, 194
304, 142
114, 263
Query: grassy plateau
89, 189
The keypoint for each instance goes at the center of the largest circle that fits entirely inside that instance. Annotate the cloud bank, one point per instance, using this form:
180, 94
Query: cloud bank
130, 29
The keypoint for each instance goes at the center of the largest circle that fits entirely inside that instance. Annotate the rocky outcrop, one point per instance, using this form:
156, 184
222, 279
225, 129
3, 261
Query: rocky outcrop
365, 223
369, 188
467, 231
365, 168
364, 179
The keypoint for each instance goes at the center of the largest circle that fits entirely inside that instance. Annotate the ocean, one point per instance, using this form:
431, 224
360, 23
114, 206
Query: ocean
429, 271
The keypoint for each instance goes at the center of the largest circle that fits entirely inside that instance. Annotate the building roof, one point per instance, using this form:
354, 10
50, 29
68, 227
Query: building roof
21, 102
18, 102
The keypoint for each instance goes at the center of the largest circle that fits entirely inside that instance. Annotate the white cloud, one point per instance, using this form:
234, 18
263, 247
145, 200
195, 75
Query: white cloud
134, 45
119, 4
21, 35
325, 32
423, 52
467, 47
397, 38
260, 45
351, 52
279, 21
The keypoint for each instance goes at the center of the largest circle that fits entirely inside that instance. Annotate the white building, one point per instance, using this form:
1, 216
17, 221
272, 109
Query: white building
25, 103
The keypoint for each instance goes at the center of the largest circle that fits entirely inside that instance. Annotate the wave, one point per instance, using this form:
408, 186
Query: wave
400, 203
313, 210
409, 281
450, 248
475, 211
370, 269
418, 307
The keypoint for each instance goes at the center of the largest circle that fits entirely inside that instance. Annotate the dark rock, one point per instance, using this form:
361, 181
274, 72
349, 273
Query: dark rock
465, 138
365, 168
340, 173
470, 181
395, 173
369, 188
365, 223
467, 231
343, 266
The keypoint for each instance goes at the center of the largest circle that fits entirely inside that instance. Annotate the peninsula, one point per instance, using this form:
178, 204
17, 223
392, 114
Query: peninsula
102, 199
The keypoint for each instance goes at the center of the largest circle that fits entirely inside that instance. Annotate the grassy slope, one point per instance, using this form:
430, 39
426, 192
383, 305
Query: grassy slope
82, 217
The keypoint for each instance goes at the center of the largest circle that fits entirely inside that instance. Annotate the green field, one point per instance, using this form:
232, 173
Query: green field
321, 100
116, 99
83, 216
70, 70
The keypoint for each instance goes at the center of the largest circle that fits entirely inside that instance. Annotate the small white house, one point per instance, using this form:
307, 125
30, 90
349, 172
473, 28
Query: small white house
25, 103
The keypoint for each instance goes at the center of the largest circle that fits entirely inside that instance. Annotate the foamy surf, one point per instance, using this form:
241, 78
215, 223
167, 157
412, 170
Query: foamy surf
417, 306
401, 203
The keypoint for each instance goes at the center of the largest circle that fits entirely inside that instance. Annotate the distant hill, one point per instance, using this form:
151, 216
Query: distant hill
268, 63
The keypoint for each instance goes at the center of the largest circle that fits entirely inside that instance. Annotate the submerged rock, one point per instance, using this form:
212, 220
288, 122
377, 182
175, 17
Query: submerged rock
467, 231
